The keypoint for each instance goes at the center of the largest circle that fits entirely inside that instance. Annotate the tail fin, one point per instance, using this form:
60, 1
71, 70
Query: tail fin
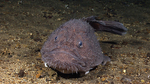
108, 26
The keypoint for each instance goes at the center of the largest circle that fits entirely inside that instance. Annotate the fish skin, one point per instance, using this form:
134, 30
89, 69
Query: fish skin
74, 48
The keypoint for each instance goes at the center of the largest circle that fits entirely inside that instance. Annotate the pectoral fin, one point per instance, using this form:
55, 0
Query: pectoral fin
107, 26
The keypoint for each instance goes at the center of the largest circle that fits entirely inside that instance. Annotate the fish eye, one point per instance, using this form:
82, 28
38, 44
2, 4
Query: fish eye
56, 38
80, 44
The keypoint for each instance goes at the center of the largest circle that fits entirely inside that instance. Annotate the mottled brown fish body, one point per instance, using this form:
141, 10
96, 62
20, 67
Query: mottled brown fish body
73, 47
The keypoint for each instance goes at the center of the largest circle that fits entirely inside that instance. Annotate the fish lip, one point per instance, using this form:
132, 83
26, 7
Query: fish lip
65, 52
70, 52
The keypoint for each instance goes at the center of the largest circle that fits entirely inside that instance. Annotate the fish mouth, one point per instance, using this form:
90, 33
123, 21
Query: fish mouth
65, 52
72, 53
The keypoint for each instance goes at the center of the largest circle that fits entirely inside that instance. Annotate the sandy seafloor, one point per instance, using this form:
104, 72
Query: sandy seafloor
26, 24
